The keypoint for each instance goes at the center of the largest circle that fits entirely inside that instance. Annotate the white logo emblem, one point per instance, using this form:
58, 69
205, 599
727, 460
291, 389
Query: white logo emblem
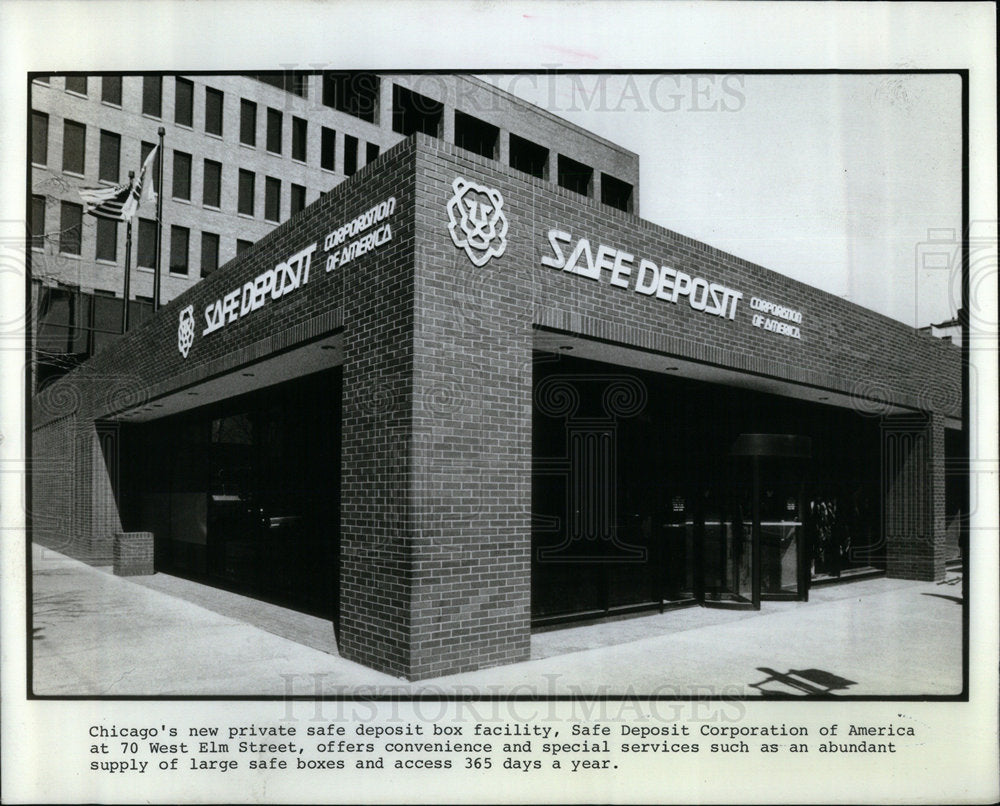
185, 330
478, 224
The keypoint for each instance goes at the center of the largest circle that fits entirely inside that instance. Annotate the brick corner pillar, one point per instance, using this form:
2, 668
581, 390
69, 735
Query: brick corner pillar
913, 496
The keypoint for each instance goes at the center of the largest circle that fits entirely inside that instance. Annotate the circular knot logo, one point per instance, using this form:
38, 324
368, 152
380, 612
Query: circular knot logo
185, 330
477, 223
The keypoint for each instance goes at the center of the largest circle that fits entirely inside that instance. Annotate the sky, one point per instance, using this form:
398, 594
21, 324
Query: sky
840, 181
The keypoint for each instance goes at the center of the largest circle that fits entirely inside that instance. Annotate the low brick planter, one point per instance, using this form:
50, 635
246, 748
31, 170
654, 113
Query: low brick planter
133, 554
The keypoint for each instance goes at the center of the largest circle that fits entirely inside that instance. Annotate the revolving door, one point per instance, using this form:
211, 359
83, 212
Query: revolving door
753, 539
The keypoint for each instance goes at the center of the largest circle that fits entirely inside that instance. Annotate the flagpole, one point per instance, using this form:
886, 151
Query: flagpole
128, 260
159, 223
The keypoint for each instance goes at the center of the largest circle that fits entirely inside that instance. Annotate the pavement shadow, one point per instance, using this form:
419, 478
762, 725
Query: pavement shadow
955, 599
808, 682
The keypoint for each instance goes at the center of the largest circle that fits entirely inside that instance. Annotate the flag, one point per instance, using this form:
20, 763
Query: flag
121, 201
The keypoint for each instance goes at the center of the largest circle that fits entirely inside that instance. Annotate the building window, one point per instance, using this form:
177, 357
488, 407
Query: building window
476, 135
155, 167
413, 112
353, 93
529, 157
272, 199
146, 244
184, 102
39, 138
70, 228
293, 81
616, 193
182, 176
298, 200
212, 185
43, 79
213, 111
77, 84
61, 334
111, 90
209, 253
139, 310
575, 176
152, 95
248, 122
242, 246
350, 155
245, 201
371, 152
179, 237
74, 146
38, 222
274, 131
298, 139
328, 149
107, 239
109, 166
106, 318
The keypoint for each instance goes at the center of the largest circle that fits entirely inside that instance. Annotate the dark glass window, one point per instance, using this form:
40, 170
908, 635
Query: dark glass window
246, 189
146, 244
298, 200
77, 84
248, 122
274, 131
184, 102
272, 199
110, 157
293, 81
413, 112
70, 228
179, 237
182, 176
371, 152
242, 246
154, 168
107, 239
616, 193
212, 184
529, 157
353, 93
476, 135
39, 138
106, 319
139, 310
328, 149
37, 222
152, 95
299, 139
74, 146
350, 155
575, 175
209, 253
111, 90
213, 111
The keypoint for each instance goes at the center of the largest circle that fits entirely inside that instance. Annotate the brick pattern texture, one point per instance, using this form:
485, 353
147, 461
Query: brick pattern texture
133, 554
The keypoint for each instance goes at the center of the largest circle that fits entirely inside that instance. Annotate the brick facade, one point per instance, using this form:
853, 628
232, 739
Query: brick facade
437, 393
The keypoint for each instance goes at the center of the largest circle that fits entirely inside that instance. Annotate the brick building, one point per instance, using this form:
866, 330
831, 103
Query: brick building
450, 401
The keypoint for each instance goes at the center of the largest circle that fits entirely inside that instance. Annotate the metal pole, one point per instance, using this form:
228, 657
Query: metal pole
128, 262
159, 223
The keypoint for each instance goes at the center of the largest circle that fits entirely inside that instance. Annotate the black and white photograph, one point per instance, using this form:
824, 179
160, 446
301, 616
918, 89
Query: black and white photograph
407, 388
573, 416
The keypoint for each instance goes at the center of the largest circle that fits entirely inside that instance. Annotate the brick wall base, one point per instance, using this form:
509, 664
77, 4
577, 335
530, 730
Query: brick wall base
133, 554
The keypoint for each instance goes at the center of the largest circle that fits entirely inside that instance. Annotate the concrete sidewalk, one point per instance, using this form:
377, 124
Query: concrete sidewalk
98, 634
